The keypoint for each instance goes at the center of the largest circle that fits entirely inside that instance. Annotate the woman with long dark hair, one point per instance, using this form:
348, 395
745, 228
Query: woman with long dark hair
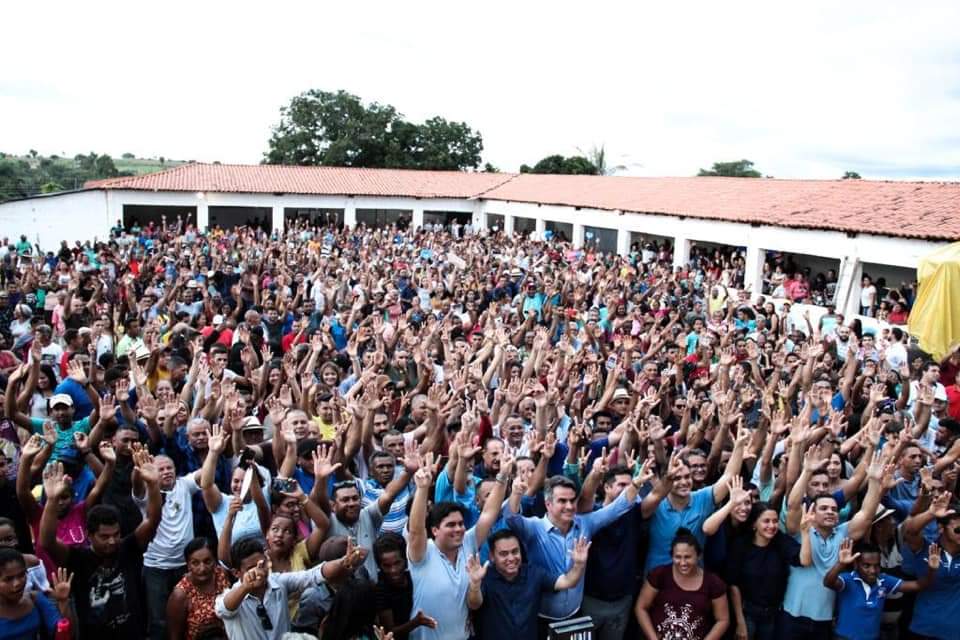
757, 568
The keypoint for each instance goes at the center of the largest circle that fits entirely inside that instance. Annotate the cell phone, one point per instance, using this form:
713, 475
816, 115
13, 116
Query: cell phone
284, 485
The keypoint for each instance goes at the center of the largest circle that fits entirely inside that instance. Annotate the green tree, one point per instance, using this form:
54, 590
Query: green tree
558, 164
128, 156
50, 187
338, 129
736, 169
851, 175
598, 157
489, 168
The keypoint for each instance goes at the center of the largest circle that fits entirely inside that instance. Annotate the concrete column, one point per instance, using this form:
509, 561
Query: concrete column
623, 242
577, 235
849, 289
350, 215
681, 251
508, 224
753, 270
417, 217
541, 227
203, 215
277, 219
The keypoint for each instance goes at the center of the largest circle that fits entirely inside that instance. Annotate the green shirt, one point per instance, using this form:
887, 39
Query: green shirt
63, 449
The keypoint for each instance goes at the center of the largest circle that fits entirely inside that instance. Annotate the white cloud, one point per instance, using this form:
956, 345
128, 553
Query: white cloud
808, 90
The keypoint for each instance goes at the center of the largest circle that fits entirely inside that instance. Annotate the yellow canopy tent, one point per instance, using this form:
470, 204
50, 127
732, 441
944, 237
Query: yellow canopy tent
935, 317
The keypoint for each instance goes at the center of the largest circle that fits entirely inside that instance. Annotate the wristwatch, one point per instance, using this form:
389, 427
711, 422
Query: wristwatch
502, 478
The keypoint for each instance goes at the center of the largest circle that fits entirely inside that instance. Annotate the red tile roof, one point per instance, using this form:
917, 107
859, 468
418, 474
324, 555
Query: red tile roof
309, 180
929, 210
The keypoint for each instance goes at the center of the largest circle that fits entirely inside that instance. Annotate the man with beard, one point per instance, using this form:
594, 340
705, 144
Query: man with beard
348, 518
107, 575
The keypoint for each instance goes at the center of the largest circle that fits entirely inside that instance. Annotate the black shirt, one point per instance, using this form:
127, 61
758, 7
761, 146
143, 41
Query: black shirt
761, 572
119, 493
107, 593
399, 600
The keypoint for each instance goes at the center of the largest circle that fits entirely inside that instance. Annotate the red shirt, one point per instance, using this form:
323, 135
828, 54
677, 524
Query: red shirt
953, 401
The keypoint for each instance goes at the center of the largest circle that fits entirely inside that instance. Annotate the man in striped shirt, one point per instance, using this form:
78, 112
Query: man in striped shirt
383, 469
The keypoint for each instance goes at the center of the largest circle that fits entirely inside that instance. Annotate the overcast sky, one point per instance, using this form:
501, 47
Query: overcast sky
804, 92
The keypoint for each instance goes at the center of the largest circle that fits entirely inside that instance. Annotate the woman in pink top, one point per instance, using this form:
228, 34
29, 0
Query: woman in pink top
71, 529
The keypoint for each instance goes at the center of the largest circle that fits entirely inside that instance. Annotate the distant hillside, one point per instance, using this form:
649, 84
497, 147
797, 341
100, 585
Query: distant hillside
22, 176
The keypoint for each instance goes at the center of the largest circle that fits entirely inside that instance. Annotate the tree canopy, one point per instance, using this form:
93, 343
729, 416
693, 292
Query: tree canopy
22, 177
338, 129
736, 169
851, 175
573, 165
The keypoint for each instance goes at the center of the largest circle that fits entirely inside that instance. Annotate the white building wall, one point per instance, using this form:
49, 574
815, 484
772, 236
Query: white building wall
46, 220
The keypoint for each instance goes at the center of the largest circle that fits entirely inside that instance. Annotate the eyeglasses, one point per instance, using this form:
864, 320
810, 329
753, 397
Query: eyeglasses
264, 618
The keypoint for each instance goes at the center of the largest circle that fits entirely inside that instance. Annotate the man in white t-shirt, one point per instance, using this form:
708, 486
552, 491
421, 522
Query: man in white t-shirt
163, 561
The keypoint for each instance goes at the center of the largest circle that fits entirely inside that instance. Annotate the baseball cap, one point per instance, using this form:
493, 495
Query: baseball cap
61, 398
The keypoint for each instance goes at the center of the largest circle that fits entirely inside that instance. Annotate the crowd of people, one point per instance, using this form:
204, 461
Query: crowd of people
410, 433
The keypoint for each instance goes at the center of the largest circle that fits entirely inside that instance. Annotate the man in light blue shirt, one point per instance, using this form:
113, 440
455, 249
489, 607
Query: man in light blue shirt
808, 604
683, 508
550, 540
438, 566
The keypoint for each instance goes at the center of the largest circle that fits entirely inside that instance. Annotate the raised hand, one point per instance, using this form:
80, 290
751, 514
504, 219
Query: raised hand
107, 452
581, 550
33, 446
847, 556
737, 493
108, 408
49, 433
476, 570
217, 440
61, 579
933, 557
809, 517
323, 465
76, 373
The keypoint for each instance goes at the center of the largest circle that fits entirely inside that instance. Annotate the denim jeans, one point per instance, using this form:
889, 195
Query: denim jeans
761, 622
609, 616
159, 584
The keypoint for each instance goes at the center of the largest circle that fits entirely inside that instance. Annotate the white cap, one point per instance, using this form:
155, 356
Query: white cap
61, 398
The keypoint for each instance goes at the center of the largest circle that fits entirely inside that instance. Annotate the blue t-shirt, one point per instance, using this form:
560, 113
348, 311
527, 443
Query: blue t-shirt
666, 520
859, 614
44, 615
938, 607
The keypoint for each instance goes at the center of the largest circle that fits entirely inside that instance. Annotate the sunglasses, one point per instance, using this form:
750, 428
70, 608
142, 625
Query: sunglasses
264, 618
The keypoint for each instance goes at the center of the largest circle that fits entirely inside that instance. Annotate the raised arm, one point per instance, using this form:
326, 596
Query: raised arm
24, 495
417, 523
148, 473
54, 484
215, 445
109, 457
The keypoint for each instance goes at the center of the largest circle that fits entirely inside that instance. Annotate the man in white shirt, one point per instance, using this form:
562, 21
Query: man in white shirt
163, 561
